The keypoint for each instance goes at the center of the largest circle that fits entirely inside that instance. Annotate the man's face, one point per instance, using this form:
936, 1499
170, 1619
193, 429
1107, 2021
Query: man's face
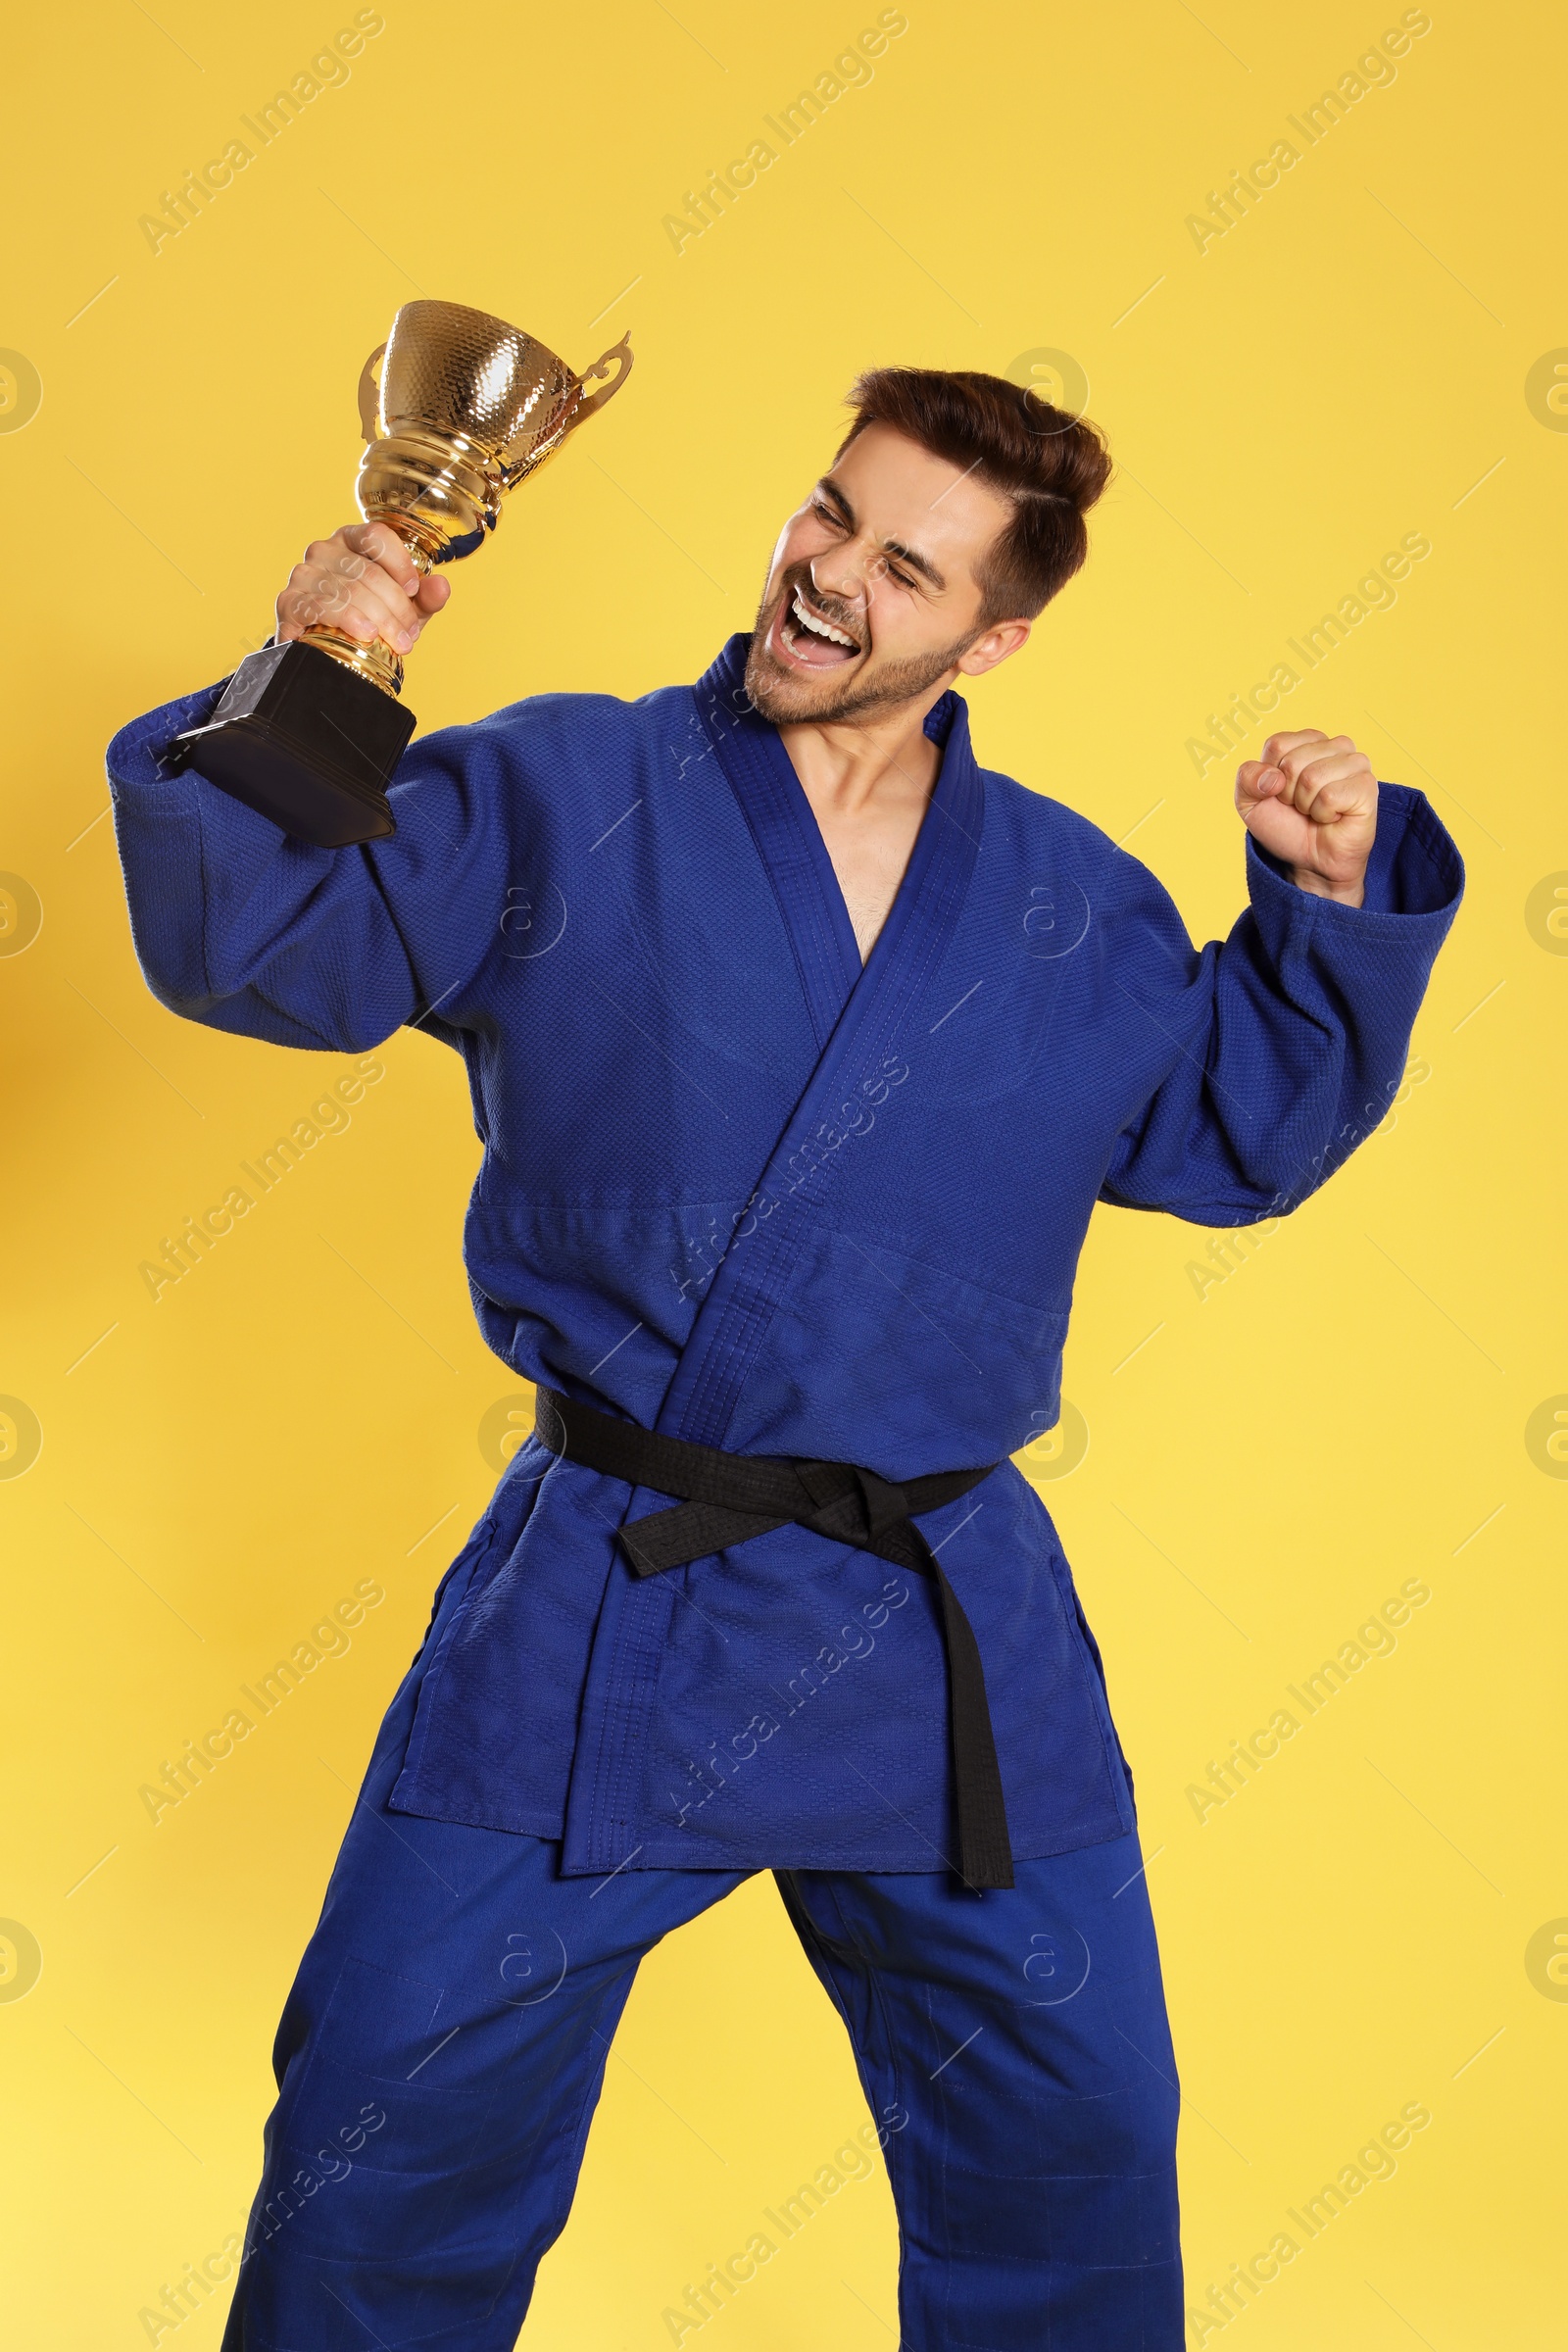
871, 598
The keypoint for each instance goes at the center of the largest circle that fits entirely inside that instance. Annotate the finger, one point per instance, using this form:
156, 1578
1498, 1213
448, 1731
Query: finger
394, 612
1334, 786
1302, 755
309, 597
1329, 788
384, 546
321, 595
1277, 746
1256, 782
365, 599
328, 570
375, 557
364, 582
324, 601
393, 586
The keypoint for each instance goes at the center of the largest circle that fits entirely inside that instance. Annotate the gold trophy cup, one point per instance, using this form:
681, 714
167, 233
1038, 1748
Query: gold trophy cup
309, 733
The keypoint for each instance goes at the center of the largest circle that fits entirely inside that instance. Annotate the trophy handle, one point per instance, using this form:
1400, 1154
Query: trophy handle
619, 353
371, 393
536, 451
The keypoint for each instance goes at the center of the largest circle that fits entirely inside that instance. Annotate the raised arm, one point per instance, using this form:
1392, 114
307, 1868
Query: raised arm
1296, 1034
243, 927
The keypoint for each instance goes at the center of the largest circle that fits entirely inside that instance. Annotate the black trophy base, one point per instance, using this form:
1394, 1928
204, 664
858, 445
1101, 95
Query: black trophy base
301, 739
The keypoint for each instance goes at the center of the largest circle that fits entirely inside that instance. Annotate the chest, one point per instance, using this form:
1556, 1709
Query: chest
693, 995
868, 824
868, 851
693, 990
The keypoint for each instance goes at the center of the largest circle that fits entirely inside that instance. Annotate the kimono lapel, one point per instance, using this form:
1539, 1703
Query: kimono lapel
863, 1019
789, 839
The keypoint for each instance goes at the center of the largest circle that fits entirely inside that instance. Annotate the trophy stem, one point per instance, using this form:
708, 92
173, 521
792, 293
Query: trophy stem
373, 659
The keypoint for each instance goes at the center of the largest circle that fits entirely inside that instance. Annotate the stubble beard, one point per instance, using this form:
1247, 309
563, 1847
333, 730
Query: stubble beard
875, 689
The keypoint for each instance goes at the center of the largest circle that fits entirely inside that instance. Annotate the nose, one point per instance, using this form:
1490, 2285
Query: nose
847, 585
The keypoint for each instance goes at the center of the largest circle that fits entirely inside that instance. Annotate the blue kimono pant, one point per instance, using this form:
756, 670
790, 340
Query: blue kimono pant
444, 2047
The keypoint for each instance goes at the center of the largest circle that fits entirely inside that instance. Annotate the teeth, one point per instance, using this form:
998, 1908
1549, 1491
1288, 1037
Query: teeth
821, 628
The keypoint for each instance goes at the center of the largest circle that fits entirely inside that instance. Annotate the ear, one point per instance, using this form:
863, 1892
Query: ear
1002, 638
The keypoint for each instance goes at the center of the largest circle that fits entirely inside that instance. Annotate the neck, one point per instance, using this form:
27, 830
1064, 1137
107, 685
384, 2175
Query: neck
852, 762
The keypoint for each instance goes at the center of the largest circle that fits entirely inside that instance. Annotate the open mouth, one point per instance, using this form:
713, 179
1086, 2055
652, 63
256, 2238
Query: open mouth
809, 639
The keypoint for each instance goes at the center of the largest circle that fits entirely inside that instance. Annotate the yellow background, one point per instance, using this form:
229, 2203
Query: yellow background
1266, 1463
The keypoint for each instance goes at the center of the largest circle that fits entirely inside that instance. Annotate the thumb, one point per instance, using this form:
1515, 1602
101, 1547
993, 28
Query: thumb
1255, 782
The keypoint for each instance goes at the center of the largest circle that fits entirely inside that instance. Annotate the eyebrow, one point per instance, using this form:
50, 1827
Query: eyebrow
893, 547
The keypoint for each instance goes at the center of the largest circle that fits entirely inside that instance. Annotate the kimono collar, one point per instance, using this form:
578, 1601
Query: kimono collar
790, 842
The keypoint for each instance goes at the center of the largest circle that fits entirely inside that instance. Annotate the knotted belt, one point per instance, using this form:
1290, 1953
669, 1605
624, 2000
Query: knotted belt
730, 1498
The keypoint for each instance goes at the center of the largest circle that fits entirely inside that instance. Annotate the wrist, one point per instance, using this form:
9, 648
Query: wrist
1347, 894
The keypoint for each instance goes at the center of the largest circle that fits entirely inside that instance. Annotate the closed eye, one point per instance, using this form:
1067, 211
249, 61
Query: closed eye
825, 514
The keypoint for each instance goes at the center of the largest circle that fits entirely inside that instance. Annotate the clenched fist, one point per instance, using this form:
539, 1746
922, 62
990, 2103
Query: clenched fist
1312, 799
363, 580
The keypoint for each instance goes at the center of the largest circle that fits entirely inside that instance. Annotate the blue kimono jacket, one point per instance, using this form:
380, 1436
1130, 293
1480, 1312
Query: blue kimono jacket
738, 1189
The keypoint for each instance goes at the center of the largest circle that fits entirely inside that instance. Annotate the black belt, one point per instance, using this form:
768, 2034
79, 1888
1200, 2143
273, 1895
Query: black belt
729, 1497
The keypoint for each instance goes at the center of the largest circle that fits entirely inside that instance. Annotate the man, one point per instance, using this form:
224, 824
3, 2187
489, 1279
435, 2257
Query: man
801, 1047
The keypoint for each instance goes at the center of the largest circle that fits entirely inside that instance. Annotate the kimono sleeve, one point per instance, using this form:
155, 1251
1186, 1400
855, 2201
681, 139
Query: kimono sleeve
1302, 1026
243, 927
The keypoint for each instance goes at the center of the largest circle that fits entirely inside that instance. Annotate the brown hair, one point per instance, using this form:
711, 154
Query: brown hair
1050, 466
